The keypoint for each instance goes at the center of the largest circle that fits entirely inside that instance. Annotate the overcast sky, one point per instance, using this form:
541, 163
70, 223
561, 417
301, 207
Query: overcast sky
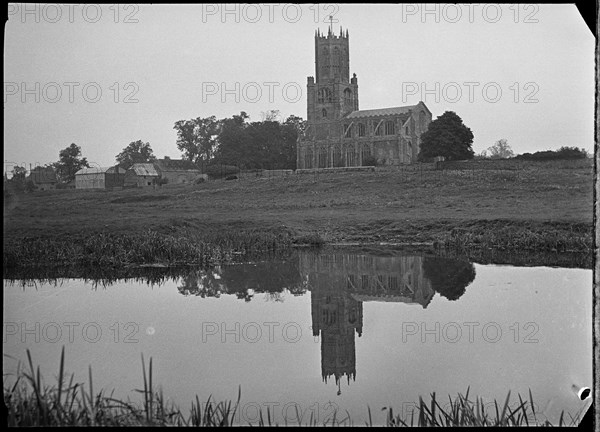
103, 77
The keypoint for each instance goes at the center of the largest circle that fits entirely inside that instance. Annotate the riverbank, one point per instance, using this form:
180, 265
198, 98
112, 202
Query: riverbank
536, 208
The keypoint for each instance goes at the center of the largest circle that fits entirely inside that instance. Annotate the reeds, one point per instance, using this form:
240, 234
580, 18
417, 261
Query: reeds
32, 403
149, 247
461, 411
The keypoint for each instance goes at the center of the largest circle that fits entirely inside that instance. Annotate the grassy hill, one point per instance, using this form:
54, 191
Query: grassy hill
547, 205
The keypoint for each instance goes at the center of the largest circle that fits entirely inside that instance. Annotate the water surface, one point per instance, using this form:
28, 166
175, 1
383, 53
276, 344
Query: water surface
319, 331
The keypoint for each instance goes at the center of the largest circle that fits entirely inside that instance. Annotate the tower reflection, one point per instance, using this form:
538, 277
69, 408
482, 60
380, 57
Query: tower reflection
340, 282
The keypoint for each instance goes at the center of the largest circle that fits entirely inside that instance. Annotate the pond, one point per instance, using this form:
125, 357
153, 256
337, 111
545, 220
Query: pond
318, 332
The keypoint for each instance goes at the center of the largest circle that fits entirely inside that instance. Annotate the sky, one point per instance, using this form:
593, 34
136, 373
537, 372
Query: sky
104, 76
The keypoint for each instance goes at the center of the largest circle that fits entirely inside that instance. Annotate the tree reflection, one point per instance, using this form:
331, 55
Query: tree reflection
449, 277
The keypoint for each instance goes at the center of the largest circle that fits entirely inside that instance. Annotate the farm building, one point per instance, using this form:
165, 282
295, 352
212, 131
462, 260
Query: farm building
177, 171
141, 175
44, 178
100, 178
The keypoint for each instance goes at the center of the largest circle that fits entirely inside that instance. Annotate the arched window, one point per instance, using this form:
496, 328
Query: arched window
422, 120
350, 157
347, 131
337, 157
323, 158
308, 158
366, 154
389, 128
324, 95
324, 113
362, 130
378, 129
348, 96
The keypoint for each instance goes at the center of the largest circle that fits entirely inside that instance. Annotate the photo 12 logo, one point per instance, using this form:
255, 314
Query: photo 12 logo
71, 332
454, 332
460, 12
70, 91
269, 12
89, 13
471, 91
251, 92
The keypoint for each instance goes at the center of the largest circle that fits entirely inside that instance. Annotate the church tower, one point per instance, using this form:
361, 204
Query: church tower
333, 94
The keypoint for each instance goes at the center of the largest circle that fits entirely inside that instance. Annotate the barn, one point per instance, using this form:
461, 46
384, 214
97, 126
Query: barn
141, 175
100, 178
177, 171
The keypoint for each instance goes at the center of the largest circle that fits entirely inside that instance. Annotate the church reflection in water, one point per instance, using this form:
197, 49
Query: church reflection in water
339, 283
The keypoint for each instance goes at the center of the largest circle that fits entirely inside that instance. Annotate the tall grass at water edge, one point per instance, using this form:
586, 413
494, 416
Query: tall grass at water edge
32, 403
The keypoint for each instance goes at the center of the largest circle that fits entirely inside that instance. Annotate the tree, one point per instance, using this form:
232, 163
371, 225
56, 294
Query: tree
271, 115
18, 173
70, 161
136, 152
449, 277
447, 136
267, 144
197, 138
500, 150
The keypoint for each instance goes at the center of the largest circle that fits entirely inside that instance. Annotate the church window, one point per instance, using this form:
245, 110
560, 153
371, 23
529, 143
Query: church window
323, 158
324, 113
378, 129
337, 157
389, 128
366, 153
406, 130
422, 118
362, 130
351, 282
348, 96
308, 158
324, 95
364, 282
350, 157
348, 131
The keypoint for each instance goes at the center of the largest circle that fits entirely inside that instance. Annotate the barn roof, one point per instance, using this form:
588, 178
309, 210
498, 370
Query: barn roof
144, 169
175, 164
43, 175
101, 170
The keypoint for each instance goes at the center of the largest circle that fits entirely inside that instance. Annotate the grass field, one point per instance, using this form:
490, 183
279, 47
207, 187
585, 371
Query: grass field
510, 205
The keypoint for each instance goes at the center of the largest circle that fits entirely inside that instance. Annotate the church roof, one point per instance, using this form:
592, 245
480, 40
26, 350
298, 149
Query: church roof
381, 112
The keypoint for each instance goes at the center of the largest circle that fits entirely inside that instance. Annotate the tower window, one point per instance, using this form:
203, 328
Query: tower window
348, 96
324, 95
324, 113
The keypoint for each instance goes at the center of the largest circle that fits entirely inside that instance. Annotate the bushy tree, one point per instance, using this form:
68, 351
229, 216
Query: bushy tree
265, 144
136, 152
447, 136
500, 150
197, 138
70, 161
449, 277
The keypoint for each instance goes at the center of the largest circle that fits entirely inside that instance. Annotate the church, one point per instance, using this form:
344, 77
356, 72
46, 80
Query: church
338, 134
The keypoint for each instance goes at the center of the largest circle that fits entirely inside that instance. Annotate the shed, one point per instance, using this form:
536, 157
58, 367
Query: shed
100, 178
141, 175
177, 171
44, 178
